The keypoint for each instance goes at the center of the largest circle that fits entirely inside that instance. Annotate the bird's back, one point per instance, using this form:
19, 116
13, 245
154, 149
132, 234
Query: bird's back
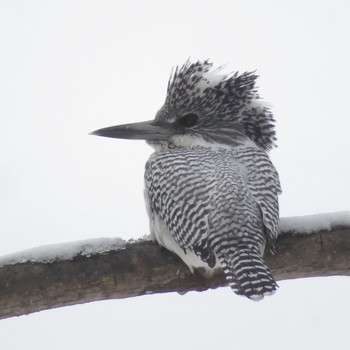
208, 201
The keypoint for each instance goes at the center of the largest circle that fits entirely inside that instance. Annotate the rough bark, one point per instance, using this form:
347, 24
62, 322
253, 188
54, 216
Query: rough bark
145, 268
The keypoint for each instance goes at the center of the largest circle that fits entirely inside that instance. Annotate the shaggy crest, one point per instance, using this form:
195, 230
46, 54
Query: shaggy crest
217, 98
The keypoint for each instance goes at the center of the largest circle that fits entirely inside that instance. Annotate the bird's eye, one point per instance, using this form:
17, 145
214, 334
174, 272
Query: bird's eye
188, 120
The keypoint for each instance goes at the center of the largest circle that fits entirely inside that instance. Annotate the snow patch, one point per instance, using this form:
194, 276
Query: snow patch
314, 223
64, 251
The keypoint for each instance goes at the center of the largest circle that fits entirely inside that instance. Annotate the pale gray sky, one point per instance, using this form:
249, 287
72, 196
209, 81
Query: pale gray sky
70, 67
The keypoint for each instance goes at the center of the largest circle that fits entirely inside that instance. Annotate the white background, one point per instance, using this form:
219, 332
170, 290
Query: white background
70, 67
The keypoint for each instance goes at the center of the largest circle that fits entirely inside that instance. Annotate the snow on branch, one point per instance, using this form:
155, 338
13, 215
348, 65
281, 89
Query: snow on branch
313, 223
110, 268
64, 251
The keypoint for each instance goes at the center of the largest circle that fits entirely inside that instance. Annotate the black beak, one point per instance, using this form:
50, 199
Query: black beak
149, 130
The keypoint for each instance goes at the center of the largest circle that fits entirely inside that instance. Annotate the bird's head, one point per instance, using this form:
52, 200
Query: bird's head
203, 106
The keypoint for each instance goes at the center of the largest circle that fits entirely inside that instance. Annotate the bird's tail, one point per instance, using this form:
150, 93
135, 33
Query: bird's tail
247, 273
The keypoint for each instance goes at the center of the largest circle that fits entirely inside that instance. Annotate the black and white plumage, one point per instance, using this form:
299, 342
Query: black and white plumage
211, 190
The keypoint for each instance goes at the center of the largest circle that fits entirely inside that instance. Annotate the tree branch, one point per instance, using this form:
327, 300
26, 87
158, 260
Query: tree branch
145, 268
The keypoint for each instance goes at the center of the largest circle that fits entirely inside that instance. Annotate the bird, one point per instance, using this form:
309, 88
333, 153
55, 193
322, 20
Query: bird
211, 190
